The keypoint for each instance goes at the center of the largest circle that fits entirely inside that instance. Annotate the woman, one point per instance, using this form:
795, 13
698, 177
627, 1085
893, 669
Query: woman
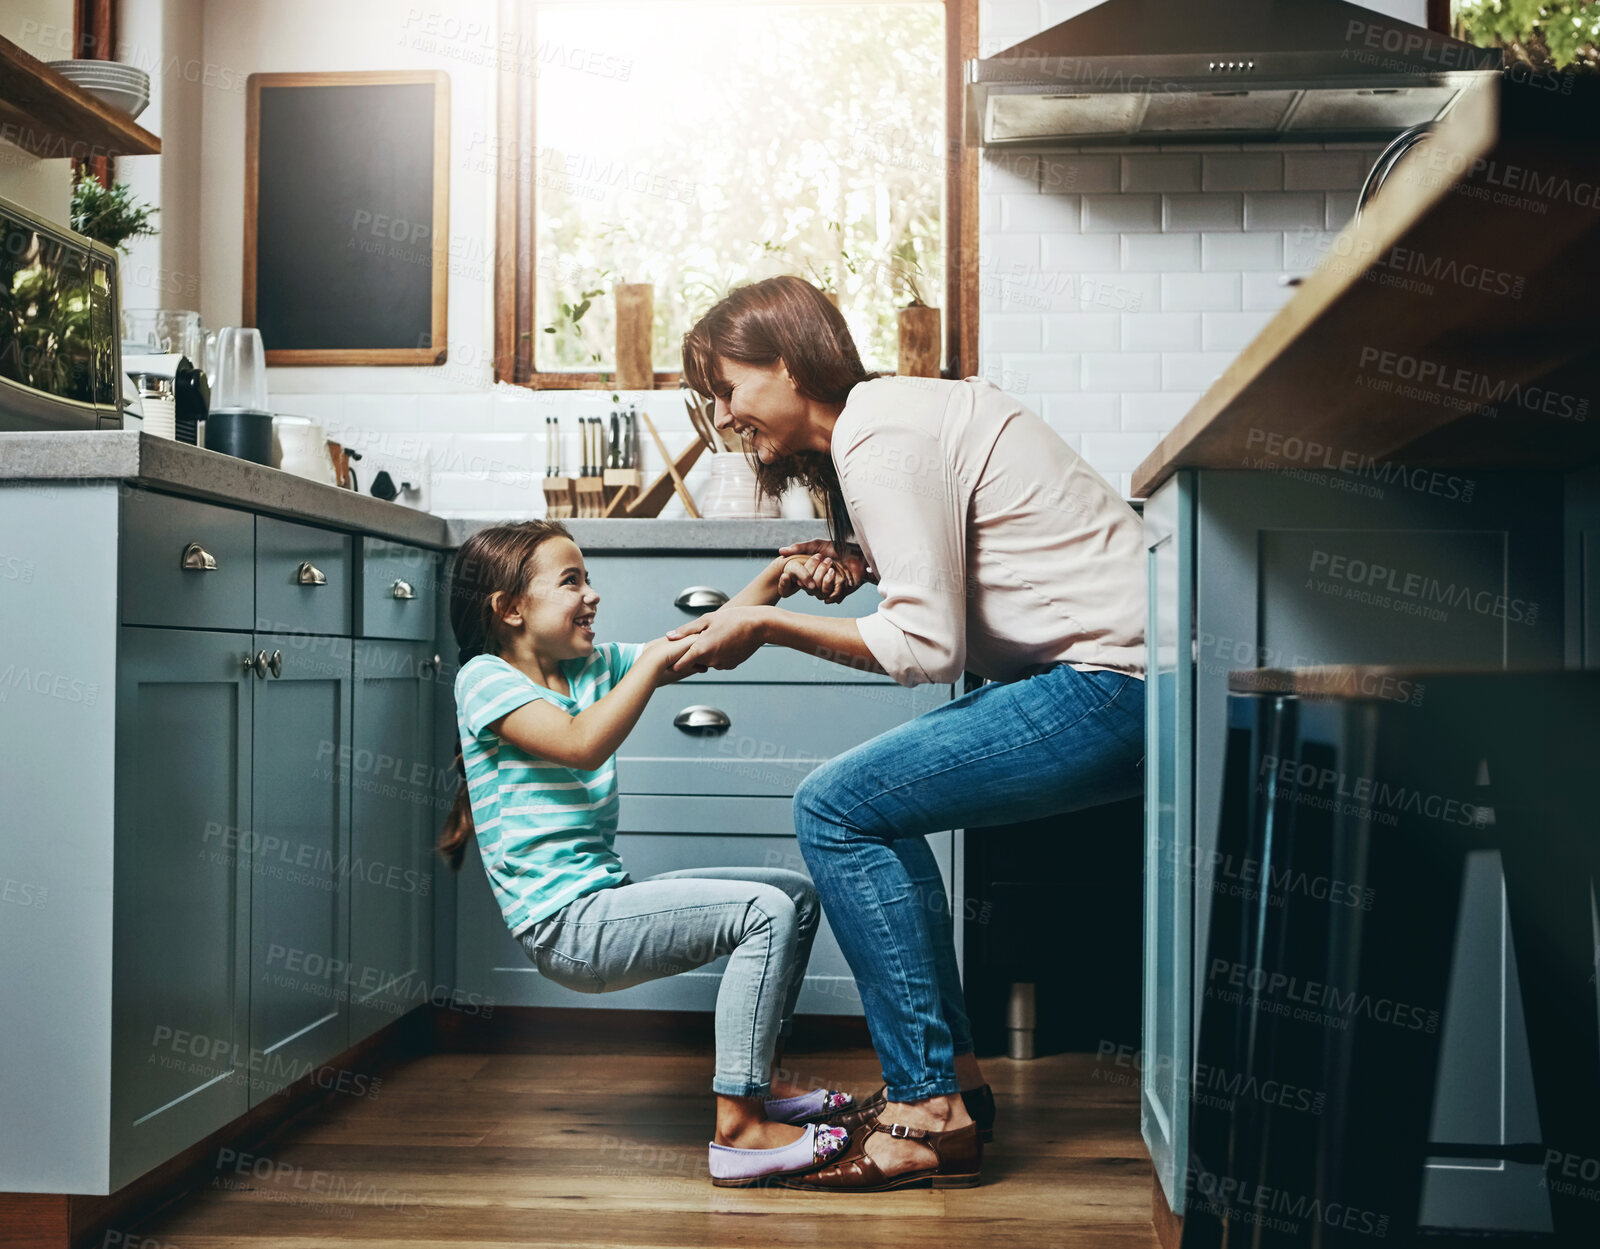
995, 549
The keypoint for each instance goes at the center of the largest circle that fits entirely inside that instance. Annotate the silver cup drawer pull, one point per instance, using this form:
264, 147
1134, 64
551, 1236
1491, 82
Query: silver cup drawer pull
703, 721
310, 574
700, 598
197, 559
403, 590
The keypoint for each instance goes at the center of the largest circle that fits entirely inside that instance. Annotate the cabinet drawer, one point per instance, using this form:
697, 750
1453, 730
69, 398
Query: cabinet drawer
756, 739
302, 578
399, 590
186, 563
643, 596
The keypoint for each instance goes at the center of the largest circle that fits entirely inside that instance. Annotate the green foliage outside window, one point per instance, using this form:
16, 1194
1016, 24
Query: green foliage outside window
1547, 34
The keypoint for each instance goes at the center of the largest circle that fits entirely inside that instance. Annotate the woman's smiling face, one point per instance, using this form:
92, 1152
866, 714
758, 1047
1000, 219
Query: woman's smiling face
763, 407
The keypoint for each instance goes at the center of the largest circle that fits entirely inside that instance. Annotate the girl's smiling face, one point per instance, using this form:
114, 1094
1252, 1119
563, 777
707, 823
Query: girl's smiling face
557, 608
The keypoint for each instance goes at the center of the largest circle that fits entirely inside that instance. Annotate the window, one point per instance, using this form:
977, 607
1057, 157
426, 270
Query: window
696, 145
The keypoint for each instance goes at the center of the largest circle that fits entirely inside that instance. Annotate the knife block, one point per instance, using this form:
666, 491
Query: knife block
558, 501
590, 493
622, 487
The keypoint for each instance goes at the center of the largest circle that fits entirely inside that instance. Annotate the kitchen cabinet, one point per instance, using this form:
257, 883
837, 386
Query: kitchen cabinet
1258, 569
399, 794
180, 971
298, 852
180, 706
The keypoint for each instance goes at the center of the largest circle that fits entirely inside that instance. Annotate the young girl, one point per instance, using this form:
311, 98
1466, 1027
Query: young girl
541, 709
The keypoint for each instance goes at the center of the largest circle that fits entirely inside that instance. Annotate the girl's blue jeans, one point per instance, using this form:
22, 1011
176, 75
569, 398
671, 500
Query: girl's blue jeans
1053, 742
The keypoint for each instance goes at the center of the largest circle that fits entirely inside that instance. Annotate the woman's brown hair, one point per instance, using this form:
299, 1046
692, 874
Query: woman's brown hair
496, 560
788, 319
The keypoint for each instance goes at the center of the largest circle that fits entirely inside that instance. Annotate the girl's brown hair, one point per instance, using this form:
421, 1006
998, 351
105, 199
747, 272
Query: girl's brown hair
496, 560
788, 319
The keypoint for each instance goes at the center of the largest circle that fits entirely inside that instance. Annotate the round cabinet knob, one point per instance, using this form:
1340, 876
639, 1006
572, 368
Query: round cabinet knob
197, 559
700, 598
428, 668
403, 590
259, 665
703, 721
310, 574
275, 664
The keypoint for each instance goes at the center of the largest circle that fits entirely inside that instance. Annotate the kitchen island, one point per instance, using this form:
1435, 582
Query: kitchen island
1397, 470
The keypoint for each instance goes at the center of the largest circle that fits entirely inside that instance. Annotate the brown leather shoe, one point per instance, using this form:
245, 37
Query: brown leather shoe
859, 1116
980, 1105
960, 1155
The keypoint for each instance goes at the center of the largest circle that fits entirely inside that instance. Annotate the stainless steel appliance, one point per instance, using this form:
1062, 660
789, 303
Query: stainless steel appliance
60, 349
1174, 71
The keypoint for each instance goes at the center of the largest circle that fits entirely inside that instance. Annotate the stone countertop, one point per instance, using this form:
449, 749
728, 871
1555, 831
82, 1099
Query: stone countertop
177, 468
681, 534
65, 456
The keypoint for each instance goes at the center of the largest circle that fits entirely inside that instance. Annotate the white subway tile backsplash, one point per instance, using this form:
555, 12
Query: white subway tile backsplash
1039, 213
1161, 331
1079, 252
1305, 247
1193, 370
1006, 332
1079, 412
1161, 171
1083, 331
1008, 254
1283, 210
1158, 411
1266, 290
1160, 253
1121, 371
1079, 174
1230, 331
1241, 252
1324, 171
1341, 208
1202, 212
1008, 173
1199, 292
1120, 452
1115, 292
1025, 371
1121, 213
1241, 171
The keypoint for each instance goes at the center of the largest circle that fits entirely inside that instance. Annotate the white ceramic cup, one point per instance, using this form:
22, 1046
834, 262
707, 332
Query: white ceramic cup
304, 448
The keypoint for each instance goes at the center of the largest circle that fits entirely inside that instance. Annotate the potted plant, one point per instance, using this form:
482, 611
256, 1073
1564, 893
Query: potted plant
919, 323
109, 215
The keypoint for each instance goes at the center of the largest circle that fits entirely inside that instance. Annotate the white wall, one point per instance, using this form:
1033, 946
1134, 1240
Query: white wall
41, 28
1118, 283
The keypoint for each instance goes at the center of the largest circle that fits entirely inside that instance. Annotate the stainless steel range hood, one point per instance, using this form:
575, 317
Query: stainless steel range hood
1184, 71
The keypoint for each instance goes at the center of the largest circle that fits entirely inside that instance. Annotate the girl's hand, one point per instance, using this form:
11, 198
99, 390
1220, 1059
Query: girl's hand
818, 575
724, 638
661, 654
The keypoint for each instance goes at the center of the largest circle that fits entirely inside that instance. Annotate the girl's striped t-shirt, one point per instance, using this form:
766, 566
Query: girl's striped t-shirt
545, 831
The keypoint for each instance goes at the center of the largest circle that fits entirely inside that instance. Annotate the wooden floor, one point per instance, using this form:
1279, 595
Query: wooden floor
601, 1147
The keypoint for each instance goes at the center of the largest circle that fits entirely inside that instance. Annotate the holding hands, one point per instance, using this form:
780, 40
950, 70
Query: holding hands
821, 570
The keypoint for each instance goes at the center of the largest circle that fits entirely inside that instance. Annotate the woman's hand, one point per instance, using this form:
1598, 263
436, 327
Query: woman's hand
724, 638
827, 574
818, 575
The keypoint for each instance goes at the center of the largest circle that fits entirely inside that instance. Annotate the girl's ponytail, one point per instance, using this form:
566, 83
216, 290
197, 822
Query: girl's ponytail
497, 560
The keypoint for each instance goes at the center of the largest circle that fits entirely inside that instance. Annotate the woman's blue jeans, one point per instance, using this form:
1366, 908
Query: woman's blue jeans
1057, 741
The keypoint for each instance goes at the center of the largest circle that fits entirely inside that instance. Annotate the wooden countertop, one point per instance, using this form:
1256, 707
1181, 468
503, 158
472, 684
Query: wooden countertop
1457, 325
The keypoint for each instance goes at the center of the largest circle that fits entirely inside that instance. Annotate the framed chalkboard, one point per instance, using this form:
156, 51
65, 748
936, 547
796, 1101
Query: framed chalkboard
346, 216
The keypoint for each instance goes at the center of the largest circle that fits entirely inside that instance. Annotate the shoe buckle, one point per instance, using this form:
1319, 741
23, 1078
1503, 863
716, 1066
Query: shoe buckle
900, 1130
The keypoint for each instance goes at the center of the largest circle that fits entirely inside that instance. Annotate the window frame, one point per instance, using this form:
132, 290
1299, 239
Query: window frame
516, 264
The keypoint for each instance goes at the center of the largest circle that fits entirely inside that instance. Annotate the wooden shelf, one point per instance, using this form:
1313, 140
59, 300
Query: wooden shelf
45, 115
1456, 326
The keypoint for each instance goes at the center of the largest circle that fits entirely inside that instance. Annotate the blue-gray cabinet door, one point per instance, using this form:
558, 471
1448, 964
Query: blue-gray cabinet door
399, 795
299, 852
179, 974
1169, 815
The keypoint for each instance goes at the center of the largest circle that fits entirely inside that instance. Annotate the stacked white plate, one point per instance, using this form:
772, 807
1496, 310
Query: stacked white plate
123, 87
